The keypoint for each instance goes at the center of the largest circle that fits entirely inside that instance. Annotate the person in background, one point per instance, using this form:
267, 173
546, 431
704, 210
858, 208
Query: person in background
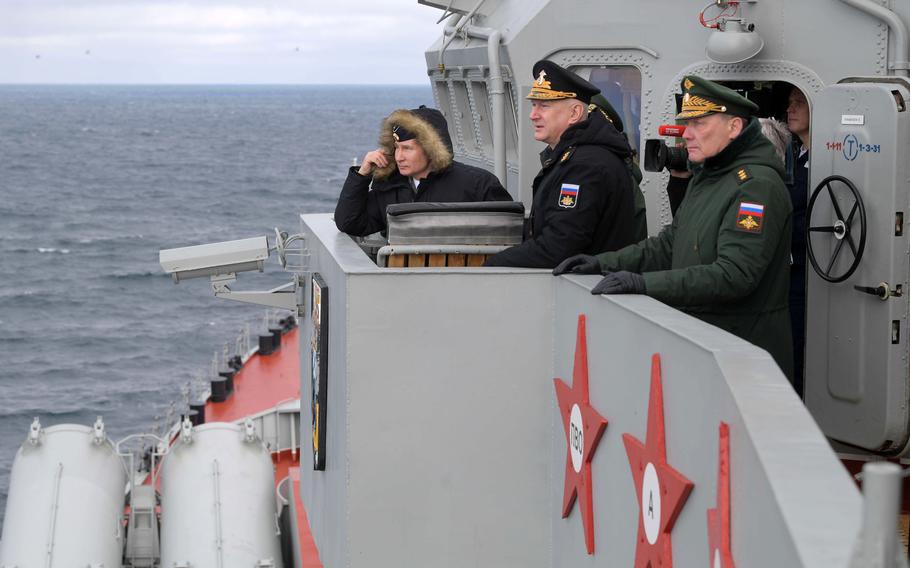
600, 104
414, 162
779, 136
583, 200
724, 258
798, 121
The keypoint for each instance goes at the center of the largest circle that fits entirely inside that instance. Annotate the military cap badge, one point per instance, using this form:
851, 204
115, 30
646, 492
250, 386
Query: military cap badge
702, 97
553, 82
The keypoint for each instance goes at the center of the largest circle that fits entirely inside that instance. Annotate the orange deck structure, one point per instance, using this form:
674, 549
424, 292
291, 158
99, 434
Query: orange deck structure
262, 383
265, 381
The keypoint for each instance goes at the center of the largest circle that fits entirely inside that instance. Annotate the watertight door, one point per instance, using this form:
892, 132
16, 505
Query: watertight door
857, 328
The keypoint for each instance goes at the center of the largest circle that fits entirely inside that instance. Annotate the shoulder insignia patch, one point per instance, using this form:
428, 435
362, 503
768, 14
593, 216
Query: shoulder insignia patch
742, 176
750, 217
568, 195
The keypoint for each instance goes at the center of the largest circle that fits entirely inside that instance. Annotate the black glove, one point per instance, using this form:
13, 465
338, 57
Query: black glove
622, 282
579, 264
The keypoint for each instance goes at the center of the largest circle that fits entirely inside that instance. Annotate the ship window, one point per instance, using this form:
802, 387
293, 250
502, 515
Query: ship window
621, 85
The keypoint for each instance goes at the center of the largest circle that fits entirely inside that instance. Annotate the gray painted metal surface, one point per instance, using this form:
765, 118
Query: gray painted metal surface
878, 545
787, 486
446, 447
438, 386
857, 343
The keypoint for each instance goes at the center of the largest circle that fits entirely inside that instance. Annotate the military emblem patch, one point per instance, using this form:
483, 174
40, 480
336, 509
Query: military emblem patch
568, 195
750, 217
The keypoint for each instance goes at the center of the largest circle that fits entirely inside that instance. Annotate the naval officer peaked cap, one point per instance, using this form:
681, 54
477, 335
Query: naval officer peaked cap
552, 82
702, 97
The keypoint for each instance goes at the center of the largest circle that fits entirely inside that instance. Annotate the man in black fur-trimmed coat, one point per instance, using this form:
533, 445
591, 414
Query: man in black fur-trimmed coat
413, 163
583, 197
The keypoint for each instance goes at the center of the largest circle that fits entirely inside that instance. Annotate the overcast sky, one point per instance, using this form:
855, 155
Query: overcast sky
215, 41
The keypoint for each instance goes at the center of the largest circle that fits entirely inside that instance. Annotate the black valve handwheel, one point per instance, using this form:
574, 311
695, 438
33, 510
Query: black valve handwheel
844, 229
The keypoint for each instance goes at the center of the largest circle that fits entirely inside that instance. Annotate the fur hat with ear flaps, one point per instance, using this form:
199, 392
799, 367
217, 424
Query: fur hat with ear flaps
427, 126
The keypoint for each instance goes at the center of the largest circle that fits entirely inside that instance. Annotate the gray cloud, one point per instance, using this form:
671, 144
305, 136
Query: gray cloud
220, 41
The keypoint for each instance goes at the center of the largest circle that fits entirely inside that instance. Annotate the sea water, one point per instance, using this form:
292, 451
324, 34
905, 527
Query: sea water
95, 180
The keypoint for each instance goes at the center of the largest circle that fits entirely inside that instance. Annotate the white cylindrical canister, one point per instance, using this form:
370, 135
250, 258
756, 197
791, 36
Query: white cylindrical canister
66, 499
218, 501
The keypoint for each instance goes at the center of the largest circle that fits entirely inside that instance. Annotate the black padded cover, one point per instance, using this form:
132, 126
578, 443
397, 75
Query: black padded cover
461, 207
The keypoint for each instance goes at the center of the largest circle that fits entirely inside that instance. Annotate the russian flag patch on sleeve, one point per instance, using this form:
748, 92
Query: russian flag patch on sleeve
568, 195
750, 217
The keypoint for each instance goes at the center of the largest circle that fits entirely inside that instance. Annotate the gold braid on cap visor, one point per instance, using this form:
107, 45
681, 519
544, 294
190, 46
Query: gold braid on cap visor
693, 106
549, 94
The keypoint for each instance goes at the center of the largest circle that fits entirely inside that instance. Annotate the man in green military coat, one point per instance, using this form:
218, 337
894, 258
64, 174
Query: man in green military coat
725, 257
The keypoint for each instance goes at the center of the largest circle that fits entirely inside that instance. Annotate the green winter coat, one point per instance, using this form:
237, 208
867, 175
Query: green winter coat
725, 257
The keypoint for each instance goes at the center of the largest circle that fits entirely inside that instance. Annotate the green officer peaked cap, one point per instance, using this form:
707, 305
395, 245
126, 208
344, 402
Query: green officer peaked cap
702, 97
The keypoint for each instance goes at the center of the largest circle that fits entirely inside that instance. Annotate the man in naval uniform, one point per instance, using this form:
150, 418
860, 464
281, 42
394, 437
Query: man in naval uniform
414, 162
583, 199
725, 257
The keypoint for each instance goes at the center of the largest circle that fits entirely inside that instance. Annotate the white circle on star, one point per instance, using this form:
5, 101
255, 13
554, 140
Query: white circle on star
576, 438
650, 503
717, 563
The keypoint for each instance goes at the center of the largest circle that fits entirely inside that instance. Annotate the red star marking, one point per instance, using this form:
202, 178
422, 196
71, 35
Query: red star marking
662, 491
719, 517
584, 427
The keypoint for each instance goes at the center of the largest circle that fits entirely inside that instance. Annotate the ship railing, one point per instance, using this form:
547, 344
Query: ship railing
278, 427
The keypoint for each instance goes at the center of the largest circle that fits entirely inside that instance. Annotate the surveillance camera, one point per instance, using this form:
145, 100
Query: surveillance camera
215, 259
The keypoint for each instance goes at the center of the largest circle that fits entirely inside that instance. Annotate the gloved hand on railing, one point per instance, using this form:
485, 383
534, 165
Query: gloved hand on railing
578, 264
622, 282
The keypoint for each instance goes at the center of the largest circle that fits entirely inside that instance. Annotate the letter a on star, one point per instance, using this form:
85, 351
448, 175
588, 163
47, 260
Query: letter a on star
662, 491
